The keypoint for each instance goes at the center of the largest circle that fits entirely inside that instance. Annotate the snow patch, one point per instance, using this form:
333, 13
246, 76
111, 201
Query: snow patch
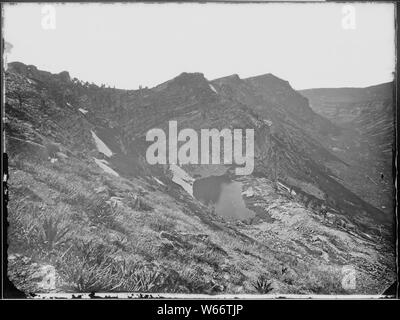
105, 167
83, 110
213, 89
159, 181
181, 177
101, 146
104, 161
282, 186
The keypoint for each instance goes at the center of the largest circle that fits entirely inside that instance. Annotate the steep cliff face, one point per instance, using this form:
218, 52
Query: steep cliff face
77, 149
39, 108
280, 93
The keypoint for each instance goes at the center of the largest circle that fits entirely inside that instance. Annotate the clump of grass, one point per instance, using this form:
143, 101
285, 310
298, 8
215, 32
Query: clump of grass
36, 229
52, 233
137, 202
100, 212
74, 197
120, 242
54, 180
137, 279
94, 267
160, 223
22, 232
194, 282
263, 285
207, 254
324, 281
20, 162
87, 267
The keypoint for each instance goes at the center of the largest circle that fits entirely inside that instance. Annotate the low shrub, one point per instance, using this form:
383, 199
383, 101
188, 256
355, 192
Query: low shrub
262, 284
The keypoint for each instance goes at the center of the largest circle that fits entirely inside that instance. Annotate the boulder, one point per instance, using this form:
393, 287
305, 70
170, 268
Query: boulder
248, 193
31, 277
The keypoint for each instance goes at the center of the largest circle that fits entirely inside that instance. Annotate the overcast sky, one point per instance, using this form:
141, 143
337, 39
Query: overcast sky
146, 44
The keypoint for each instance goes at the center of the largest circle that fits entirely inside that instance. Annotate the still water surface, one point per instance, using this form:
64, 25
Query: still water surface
224, 194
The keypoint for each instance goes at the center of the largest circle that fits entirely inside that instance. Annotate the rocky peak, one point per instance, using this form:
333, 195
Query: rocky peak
233, 85
270, 82
21, 68
281, 93
33, 72
186, 79
64, 76
228, 80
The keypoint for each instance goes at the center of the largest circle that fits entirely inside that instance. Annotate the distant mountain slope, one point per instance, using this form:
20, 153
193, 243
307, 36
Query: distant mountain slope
366, 142
343, 105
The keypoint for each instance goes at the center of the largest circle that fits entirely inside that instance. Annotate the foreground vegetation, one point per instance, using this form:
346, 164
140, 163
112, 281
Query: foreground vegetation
102, 233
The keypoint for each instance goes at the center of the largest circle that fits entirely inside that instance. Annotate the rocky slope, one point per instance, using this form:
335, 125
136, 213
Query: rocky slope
85, 203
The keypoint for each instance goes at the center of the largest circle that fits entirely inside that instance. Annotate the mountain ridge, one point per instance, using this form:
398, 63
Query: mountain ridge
294, 179
171, 100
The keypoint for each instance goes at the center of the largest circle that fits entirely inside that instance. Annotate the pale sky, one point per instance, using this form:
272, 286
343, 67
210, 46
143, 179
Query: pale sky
128, 45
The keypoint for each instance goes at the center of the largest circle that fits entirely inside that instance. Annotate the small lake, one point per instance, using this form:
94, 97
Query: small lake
224, 195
